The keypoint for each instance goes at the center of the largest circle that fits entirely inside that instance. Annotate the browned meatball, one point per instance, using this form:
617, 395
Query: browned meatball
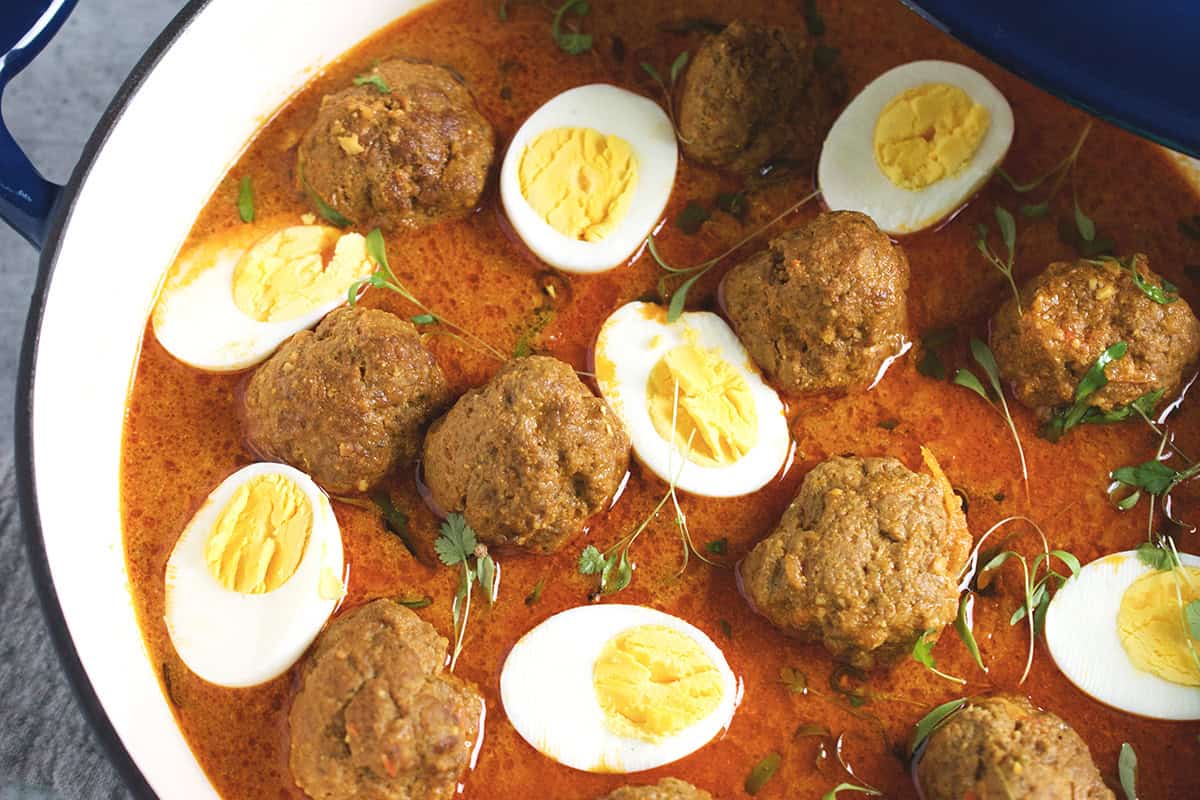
375, 717
528, 457
403, 157
1074, 311
666, 789
753, 95
1002, 747
347, 402
865, 560
824, 306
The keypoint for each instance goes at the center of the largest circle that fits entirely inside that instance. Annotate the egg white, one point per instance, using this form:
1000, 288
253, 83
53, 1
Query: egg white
850, 178
634, 339
197, 321
547, 690
1082, 637
640, 122
235, 639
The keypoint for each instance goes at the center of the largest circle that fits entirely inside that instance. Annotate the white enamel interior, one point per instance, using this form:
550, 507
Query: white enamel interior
225, 74
234, 64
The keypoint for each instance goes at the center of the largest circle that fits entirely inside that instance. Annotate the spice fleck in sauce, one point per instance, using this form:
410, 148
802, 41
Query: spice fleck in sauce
183, 434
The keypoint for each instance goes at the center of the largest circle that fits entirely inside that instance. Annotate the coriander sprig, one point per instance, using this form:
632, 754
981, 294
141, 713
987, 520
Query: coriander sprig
1008, 233
922, 653
1163, 294
1082, 412
457, 545
384, 278
931, 722
668, 86
570, 41
965, 378
695, 273
1060, 172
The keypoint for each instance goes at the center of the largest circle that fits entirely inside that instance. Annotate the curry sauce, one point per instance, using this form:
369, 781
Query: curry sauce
183, 434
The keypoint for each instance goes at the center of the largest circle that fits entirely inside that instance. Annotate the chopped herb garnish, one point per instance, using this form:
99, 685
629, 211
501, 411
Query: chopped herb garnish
1157, 556
733, 203
693, 274
395, 519
850, 787
965, 378
1164, 294
1068, 234
694, 215
457, 545
245, 201
930, 364
1082, 412
726, 628
1127, 771
1190, 226
795, 680
373, 79
931, 722
922, 653
677, 66
535, 593
423, 319
889, 424
1008, 233
1083, 223
718, 547
812, 729
761, 773
962, 625
331, 214
415, 602
568, 41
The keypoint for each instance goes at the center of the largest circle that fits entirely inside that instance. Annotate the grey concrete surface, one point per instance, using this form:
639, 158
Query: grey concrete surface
47, 749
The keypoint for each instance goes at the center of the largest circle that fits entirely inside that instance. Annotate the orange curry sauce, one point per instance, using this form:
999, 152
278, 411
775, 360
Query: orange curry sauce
183, 434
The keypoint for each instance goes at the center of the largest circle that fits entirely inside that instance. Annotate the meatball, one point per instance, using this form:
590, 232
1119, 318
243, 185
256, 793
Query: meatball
404, 150
666, 789
824, 306
375, 717
752, 95
1070, 314
1003, 747
528, 457
347, 402
865, 560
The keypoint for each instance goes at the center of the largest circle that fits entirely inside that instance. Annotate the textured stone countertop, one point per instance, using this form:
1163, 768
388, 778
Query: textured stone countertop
47, 749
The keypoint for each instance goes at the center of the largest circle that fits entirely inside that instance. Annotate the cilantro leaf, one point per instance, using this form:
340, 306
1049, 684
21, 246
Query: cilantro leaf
1153, 477
373, 79
693, 216
456, 542
1127, 769
591, 561
395, 519
762, 772
568, 41
245, 202
1156, 556
931, 721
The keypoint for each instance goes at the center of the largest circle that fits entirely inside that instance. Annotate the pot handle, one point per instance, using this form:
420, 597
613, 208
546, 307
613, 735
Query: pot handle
26, 198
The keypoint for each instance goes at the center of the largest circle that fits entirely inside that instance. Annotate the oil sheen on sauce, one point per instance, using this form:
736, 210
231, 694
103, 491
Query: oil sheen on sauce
182, 436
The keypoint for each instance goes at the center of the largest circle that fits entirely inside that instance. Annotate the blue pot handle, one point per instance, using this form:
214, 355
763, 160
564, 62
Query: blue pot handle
26, 198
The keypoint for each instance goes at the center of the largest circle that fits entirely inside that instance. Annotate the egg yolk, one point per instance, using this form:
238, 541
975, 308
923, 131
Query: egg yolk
653, 681
295, 270
579, 180
716, 423
1151, 625
259, 537
927, 134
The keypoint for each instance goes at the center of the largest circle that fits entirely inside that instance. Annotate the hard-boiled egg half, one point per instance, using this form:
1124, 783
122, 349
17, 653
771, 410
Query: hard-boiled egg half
694, 404
588, 175
228, 302
617, 688
1119, 632
254, 576
915, 144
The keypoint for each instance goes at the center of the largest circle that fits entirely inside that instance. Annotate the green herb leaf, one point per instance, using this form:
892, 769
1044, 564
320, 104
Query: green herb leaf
1127, 770
1035, 210
812, 729
850, 787
651, 70
331, 214
1156, 556
889, 424
485, 572
733, 203
373, 79
694, 215
617, 574
568, 41
424, 319
377, 249
415, 602
1069, 559
1190, 226
395, 519
679, 297
1191, 613
962, 625
1095, 379
677, 66
1153, 477
967, 380
535, 594
1008, 228
726, 628
1128, 501
1084, 224
717, 547
813, 19
456, 542
761, 773
502, 11
1164, 295
931, 721
591, 561
931, 365
922, 651
795, 680
245, 201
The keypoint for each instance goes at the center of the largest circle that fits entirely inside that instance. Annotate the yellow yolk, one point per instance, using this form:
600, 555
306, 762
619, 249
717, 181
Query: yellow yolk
652, 682
292, 271
259, 537
928, 133
1152, 628
715, 421
579, 180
